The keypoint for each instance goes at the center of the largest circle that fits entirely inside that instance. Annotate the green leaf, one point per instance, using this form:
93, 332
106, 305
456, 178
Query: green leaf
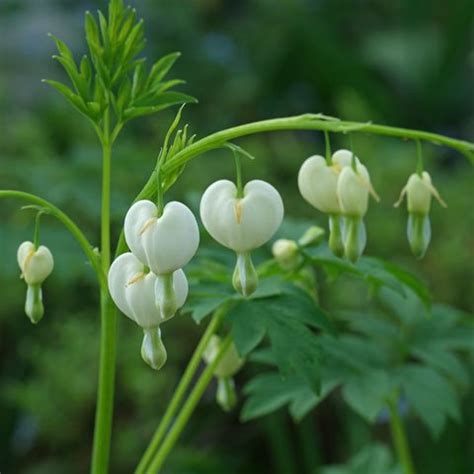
74, 99
445, 362
286, 319
161, 68
367, 393
402, 276
432, 397
373, 459
270, 391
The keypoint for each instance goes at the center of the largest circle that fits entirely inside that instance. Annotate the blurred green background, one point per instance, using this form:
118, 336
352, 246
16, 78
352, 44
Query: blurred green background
408, 63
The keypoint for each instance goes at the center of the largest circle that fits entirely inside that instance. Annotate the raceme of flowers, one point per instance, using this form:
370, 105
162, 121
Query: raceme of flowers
36, 264
148, 284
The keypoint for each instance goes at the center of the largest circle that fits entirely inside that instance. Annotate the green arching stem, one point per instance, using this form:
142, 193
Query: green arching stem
67, 222
159, 191
328, 148
187, 410
180, 391
400, 440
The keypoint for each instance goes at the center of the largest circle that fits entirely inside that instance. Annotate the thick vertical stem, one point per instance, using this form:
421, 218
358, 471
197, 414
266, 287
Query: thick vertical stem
400, 440
108, 335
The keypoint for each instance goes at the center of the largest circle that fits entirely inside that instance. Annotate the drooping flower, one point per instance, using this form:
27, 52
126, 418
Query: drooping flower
163, 243
242, 223
317, 182
419, 191
353, 189
36, 264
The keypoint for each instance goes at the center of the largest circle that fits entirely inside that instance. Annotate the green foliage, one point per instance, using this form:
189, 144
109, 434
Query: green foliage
113, 75
374, 458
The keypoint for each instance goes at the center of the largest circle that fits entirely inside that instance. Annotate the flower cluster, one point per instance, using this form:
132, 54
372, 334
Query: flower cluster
148, 284
36, 264
339, 188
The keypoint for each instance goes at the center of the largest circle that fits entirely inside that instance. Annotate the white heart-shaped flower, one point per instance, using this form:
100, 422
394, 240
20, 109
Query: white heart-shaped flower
135, 292
241, 224
163, 243
35, 264
317, 181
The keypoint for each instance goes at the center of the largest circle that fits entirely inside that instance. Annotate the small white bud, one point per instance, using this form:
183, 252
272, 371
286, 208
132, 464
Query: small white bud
286, 253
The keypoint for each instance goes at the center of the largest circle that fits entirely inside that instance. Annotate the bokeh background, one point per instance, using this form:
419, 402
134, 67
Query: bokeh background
408, 63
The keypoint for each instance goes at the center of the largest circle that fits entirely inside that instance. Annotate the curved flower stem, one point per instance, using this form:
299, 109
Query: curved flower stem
300, 122
91, 255
400, 440
187, 410
180, 391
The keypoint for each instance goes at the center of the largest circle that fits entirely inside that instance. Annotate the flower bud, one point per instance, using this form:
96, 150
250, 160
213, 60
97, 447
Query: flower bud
245, 277
163, 243
241, 224
140, 294
36, 264
34, 308
286, 253
226, 395
314, 235
229, 364
153, 350
419, 191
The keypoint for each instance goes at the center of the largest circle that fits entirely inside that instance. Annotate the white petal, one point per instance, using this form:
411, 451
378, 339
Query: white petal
172, 240
25, 249
135, 220
352, 191
317, 183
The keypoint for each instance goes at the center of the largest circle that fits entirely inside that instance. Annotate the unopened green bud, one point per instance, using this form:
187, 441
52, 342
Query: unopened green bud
34, 308
335, 235
419, 233
286, 253
226, 395
229, 364
245, 278
312, 236
355, 238
153, 350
